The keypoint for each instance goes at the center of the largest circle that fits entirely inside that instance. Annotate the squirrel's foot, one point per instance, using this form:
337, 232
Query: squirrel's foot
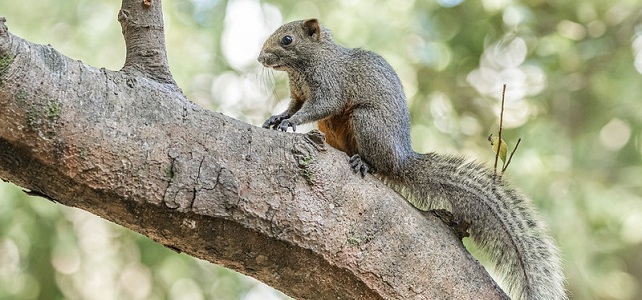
359, 165
283, 126
275, 120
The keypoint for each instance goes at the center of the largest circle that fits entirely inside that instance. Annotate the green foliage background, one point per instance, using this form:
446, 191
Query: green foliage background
573, 70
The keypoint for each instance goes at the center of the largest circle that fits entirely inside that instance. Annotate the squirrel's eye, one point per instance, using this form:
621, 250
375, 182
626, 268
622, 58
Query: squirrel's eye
286, 40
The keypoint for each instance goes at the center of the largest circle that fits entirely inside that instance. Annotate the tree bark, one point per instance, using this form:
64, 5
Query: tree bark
284, 208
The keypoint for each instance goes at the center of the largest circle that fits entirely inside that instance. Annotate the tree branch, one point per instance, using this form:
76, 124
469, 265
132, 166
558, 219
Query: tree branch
283, 208
142, 24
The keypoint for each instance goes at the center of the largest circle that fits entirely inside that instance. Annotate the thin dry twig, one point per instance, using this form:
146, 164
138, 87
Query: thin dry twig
510, 157
501, 123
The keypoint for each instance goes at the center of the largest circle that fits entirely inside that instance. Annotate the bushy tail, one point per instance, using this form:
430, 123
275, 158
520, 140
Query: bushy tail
502, 221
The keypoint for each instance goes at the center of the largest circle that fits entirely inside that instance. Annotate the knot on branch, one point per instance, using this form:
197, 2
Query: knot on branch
305, 153
4, 35
3, 26
317, 139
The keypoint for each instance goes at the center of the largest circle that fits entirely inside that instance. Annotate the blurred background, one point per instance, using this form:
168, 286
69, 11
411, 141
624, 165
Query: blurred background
574, 75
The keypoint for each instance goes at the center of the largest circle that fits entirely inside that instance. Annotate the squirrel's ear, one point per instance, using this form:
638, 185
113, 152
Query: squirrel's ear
311, 27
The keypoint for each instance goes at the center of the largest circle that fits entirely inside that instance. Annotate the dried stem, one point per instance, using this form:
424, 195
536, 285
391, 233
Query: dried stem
511, 156
501, 123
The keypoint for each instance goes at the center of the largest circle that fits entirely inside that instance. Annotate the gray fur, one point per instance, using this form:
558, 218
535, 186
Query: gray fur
327, 79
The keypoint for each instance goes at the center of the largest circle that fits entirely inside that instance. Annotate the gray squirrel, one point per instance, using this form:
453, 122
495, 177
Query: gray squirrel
359, 103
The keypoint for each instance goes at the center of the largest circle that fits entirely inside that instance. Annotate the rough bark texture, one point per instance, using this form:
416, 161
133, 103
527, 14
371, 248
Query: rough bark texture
283, 208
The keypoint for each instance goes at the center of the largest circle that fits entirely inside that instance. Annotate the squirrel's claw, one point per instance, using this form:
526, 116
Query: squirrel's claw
283, 126
275, 120
359, 166
269, 122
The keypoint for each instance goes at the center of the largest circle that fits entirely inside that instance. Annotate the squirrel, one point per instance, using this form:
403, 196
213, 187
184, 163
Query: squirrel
359, 103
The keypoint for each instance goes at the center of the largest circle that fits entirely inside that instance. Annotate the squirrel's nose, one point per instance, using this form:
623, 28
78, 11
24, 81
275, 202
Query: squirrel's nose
267, 59
261, 57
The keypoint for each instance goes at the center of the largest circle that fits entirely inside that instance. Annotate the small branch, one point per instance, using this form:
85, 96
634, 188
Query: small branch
511, 156
501, 123
143, 29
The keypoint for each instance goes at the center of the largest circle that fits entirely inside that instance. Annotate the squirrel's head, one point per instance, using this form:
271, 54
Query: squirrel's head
294, 45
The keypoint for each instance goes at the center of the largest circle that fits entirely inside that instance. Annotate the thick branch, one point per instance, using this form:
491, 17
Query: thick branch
275, 206
142, 24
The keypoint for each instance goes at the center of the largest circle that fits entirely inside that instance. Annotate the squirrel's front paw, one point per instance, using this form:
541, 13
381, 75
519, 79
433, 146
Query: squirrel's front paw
274, 121
283, 126
360, 166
